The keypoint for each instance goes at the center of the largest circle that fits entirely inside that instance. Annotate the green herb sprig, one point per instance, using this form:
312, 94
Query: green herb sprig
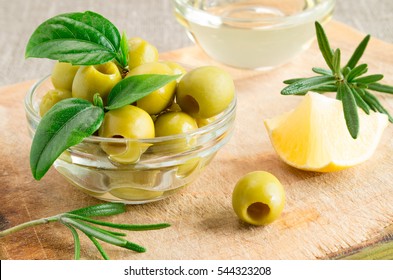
82, 39
79, 220
348, 81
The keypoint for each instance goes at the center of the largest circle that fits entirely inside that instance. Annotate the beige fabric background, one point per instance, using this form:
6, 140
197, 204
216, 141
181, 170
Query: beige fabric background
150, 19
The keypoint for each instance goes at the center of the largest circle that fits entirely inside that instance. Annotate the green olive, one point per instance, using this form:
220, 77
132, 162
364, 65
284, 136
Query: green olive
126, 122
189, 167
63, 75
173, 123
205, 92
159, 99
258, 198
90, 80
176, 68
135, 194
51, 98
140, 52
204, 122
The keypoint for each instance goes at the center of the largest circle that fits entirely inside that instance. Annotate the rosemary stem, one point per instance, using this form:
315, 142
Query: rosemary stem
28, 224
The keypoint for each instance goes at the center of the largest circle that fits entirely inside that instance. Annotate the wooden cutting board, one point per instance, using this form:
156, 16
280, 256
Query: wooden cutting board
324, 214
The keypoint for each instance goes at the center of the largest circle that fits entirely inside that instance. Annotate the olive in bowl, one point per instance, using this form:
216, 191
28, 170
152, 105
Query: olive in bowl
157, 171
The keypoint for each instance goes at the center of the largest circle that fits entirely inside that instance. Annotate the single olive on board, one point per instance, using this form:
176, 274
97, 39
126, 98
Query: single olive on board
90, 80
126, 122
205, 92
140, 52
258, 198
51, 98
63, 75
161, 98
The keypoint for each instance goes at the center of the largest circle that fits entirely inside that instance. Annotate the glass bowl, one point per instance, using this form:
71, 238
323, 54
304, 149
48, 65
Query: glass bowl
252, 34
162, 165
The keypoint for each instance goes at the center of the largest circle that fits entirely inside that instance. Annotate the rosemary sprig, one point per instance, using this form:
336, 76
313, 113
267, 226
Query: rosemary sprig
349, 82
79, 220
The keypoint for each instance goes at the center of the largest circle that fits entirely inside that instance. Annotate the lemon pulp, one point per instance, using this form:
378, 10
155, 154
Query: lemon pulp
314, 135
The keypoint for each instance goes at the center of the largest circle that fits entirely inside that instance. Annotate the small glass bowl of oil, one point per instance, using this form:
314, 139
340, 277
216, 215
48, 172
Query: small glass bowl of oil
252, 34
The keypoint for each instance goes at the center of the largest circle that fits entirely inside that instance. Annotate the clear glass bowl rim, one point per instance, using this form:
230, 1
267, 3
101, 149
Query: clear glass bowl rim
211, 127
320, 8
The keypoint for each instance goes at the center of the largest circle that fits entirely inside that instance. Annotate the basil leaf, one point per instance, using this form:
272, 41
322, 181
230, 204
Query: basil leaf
66, 124
350, 109
307, 84
136, 87
123, 54
78, 38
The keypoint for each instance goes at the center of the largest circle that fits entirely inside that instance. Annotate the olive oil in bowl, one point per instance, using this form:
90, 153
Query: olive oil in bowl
256, 34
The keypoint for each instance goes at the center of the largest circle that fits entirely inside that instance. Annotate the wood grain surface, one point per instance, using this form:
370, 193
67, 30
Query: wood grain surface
324, 214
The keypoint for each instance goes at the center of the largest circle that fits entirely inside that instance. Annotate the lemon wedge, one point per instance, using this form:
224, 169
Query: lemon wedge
314, 135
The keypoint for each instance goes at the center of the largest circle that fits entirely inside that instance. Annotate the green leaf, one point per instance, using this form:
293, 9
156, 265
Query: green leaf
134, 247
326, 88
89, 230
353, 61
322, 71
136, 87
123, 53
66, 124
350, 109
368, 79
123, 226
307, 84
98, 246
78, 38
324, 45
77, 243
381, 88
97, 101
339, 95
357, 71
346, 71
291, 81
336, 62
106, 209
374, 102
103, 235
359, 101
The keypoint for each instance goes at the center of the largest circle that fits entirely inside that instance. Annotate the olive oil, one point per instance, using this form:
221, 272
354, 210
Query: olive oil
254, 33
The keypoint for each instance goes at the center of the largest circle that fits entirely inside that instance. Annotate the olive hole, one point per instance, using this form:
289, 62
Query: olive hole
258, 210
118, 145
104, 69
192, 104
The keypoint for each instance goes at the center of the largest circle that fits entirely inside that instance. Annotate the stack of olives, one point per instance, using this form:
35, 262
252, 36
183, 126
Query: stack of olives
183, 105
